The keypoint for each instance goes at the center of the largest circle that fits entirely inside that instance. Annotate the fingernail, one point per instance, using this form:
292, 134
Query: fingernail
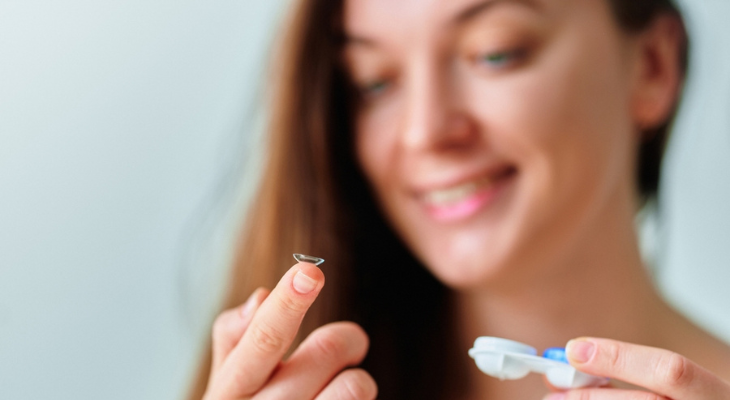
555, 396
303, 284
249, 305
580, 350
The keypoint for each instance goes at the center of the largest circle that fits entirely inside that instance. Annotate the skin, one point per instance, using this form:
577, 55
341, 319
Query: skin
560, 117
249, 343
547, 101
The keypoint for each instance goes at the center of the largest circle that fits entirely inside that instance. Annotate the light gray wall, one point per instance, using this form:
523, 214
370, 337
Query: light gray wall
120, 128
695, 267
123, 129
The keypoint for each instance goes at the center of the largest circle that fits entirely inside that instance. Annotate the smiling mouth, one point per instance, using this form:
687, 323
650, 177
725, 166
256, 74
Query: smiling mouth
463, 200
459, 193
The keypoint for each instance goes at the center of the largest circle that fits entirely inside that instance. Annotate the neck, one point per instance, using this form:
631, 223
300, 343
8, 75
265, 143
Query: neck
600, 289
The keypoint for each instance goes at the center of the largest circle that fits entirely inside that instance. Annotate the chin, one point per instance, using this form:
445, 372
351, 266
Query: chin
468, 270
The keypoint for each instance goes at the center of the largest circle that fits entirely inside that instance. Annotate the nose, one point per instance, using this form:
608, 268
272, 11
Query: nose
435, 119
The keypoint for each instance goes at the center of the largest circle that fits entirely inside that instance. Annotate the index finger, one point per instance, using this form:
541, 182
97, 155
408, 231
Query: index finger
661, 371
271, 331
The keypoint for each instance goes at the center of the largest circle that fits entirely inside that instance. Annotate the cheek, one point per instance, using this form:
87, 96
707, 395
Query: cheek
564, 123
564, 119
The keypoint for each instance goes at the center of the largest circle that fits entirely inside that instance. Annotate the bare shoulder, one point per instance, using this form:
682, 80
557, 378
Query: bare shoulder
723, 361
686, 338
711, 353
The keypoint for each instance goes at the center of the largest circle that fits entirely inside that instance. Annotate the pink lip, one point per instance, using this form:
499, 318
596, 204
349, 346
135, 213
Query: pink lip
470, 205
453, 179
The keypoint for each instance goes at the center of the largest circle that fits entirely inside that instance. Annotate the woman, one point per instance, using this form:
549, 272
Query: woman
467, 168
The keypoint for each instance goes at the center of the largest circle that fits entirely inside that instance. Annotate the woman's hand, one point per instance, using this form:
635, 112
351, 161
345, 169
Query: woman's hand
665, 374
250, 341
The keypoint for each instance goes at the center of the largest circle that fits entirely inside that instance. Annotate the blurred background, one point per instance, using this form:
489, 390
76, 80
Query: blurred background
128, 137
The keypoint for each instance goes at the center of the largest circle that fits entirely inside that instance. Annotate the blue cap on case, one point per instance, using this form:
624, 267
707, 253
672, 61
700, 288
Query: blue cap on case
556, 354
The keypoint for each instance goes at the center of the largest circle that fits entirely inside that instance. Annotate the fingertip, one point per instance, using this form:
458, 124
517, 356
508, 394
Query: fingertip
362, 333
307, 278
260, 294
254, 301
358, 336
344, 341
580, 350
310, 270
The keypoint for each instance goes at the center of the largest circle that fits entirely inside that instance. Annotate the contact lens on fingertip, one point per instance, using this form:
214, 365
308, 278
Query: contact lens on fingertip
308, 259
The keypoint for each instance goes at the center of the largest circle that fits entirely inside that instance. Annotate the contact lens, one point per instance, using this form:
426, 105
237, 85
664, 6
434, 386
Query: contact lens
308, 259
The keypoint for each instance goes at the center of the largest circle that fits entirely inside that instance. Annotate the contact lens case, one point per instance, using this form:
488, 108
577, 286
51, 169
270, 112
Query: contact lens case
507, 359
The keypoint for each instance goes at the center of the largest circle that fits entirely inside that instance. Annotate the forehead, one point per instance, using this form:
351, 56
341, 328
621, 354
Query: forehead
370, 17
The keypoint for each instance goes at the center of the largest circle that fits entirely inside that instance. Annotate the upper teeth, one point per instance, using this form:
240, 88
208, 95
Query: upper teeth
456, 193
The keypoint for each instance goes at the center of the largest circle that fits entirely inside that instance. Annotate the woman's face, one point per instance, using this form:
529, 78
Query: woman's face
494, 133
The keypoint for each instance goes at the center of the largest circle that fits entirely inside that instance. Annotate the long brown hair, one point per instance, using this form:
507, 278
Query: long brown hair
314, 199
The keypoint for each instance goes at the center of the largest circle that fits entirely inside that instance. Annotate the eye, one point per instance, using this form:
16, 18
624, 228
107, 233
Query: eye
501, 59
374, 88
371, 91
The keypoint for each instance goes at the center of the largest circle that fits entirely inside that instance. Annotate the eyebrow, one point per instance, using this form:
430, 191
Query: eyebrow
479, 8
461, 18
